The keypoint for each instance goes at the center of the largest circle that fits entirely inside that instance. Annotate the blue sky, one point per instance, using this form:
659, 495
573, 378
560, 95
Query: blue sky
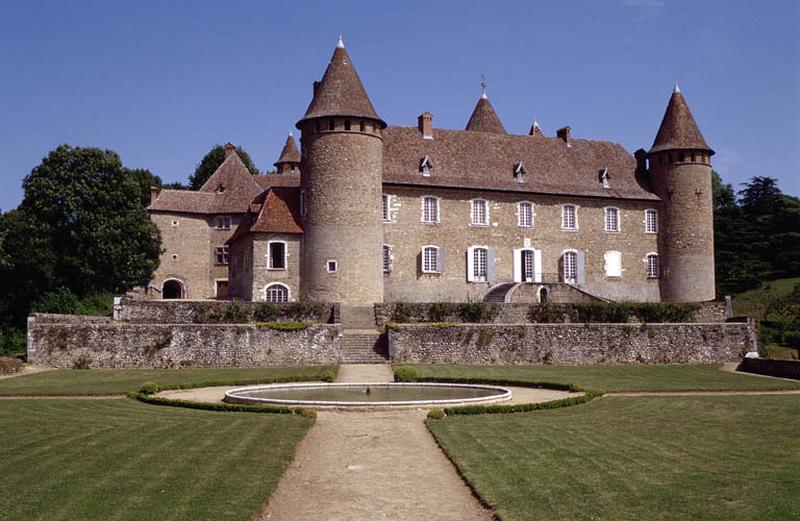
161, 82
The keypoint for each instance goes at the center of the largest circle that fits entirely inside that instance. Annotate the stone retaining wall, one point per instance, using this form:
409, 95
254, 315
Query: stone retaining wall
572, 343
116, 344
213, 311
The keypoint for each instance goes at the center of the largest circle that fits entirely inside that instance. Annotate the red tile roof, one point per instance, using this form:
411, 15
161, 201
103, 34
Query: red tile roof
275, 211
289, 154
484, 118
270, 180
678, 128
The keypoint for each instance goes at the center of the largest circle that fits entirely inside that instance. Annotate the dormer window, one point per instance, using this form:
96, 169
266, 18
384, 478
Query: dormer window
220, 189
520, 171
425, 166
605, 178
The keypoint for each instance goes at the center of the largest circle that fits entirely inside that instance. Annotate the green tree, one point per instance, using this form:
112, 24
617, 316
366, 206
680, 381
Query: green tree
209, 164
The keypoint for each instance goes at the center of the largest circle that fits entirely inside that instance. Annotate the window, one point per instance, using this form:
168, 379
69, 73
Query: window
361, 126
385, 208
525, 214
569, 217
174, 256
479, 264
387, 258
175, 223
430, 260
221, 255
331, 125
651, 221
479, 212
570, 267
605, 178
613, 266
611, 219
347, 124
276, 293
332, 266
425, 166
223, 222
276, 255
652, 266
430, 209
519, 172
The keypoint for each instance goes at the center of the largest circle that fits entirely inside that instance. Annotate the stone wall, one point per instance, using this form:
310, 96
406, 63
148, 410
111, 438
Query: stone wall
193, 312
115, 344
572, 344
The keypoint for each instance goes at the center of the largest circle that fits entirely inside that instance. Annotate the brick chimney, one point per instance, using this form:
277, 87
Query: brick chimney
564, 135
230, 148
425, 123
153, 194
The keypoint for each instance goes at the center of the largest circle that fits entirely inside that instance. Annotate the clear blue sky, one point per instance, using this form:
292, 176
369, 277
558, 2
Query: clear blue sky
161, 82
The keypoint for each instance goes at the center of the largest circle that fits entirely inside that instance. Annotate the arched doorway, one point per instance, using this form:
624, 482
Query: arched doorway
172, 289
542, 295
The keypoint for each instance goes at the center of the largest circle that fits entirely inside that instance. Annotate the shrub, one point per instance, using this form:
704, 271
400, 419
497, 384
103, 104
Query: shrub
308, 413
284, 326
303, 311
237, 314
83, 361
546, 314
221, 406
266, 312
405, 373
12, 340
403, 312
523, 407
440, 311
10, 365
149, 388
328, 375
435, 414
441, 324
474, 312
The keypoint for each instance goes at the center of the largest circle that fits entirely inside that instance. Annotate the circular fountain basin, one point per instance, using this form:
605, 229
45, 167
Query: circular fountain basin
367, 395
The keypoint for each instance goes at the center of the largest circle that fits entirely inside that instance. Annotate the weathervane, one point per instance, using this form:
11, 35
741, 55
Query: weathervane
483, 86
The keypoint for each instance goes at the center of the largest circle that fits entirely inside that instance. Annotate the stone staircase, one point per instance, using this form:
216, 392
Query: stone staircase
498, 293
363, 342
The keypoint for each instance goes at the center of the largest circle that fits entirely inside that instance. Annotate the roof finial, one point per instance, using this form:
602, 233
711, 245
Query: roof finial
483, 87
536, 123
291, 134
677, 89
340, 43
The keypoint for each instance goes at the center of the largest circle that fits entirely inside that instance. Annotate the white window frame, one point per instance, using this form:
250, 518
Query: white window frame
654, 212
284, 286
387, 258
473, 273
652, 274
574, 278
437, 217
386, 212
564, 217
518, 268
520, 224
285, 255
223, 222
473, 203
435, 269
607, 211
335, 265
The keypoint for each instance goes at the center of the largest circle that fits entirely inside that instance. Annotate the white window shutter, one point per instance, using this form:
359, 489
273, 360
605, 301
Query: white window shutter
537, 265
471, 264
581, 278
440, 259
517, 265
613, 265
491, 254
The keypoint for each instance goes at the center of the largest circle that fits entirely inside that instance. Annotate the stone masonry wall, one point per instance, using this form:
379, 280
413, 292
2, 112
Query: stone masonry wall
189, 312
110, 345
571, 344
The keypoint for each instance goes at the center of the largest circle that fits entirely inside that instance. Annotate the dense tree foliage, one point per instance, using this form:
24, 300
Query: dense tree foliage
209, 164
756, 235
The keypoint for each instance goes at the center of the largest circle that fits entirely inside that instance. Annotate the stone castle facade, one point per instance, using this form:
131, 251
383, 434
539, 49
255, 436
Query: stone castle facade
365, 212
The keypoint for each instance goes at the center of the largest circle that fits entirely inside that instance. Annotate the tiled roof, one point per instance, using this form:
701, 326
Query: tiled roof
484, 118
270, 180
278, 211
678, 128
289, 154
186, 201
482, 160
340, 92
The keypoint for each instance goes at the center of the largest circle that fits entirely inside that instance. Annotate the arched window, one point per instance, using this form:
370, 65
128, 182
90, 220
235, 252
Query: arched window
276, 293
172, 289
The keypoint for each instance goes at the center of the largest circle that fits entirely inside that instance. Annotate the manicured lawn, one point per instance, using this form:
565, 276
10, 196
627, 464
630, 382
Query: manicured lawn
686, 377
113, 381
124, 460
644, 458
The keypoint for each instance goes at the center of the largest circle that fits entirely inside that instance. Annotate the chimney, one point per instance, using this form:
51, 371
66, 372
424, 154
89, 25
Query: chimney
230, 148
316, 88
153, 194
563, 134
425, 123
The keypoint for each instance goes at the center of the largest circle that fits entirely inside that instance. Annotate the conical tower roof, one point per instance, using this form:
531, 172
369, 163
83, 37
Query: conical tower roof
484, 118
678, 128
340, 92
289, 154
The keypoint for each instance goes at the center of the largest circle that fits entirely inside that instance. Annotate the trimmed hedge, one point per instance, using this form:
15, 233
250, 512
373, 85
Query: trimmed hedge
523, 407
222, 406
284, 326
328, 375
405, 374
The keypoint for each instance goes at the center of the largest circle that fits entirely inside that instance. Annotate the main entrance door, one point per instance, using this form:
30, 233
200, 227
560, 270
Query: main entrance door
527, 265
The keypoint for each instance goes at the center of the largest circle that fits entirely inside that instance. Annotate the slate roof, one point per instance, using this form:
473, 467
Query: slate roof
340, 92
486, 161
277, 210
270, 180
484, 118
289, 154
678, 128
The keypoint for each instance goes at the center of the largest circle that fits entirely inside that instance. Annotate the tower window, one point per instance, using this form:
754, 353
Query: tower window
387, 258
431, 261
331, 124
430, 209
276, 293
332, 266
221, 255
347, 124
651, 221
569, 217
611, 219
316, 126
362, 126
525, 214
385, 208
277, 255
653, 269
479, 212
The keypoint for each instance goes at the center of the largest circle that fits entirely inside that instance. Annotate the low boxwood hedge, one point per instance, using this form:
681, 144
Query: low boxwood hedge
222, 406
523, 407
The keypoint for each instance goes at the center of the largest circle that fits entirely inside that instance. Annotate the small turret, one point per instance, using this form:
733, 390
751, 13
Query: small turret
289, 161
484, 118
680, 174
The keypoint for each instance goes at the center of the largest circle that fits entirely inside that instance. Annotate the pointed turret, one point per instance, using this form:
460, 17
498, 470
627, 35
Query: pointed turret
678, 128
289, 161
484, 118
340, 92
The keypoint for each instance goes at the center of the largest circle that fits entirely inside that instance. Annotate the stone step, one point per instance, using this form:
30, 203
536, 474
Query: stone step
354, 317
364, 346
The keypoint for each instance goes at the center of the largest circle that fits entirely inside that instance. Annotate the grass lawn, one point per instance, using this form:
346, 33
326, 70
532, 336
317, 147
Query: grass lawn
124, 460
632, 377
113, 381
645, 458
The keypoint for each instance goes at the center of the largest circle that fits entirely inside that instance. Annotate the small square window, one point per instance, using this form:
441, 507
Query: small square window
221, 255
333, 266
223, 222
174, 256
175, 223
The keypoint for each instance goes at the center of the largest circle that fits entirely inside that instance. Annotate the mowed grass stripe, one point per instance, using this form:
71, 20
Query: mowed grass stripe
651, 458
124, 460
617, 378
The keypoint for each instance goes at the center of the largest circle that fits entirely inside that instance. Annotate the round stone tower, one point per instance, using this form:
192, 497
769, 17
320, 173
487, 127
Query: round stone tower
341, 187
680, 174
